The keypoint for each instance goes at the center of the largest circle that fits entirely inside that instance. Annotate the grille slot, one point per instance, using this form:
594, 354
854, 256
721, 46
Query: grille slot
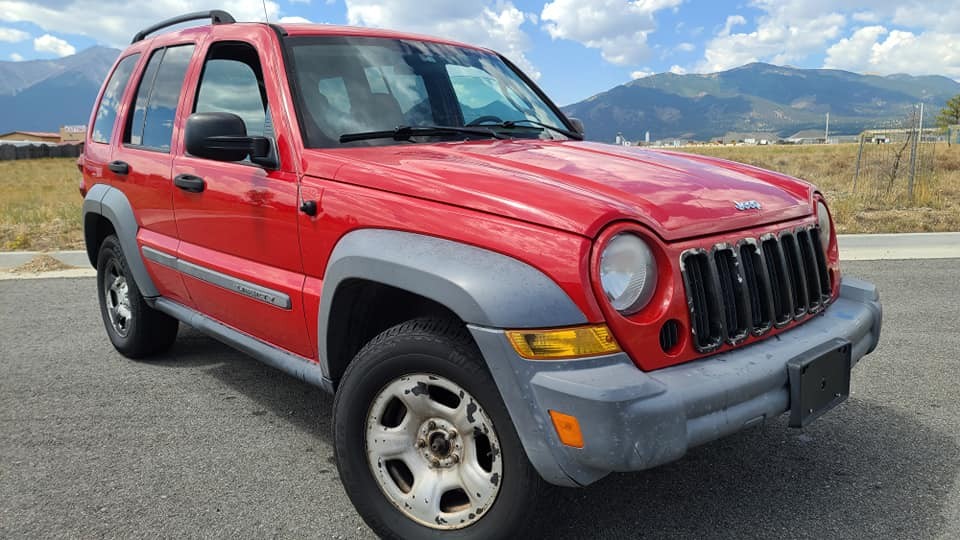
705, 318
754, 287
732, 294
826, 288
809, 270
758, 288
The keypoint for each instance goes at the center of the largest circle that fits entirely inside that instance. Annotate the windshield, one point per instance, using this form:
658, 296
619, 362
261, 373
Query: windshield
355, 85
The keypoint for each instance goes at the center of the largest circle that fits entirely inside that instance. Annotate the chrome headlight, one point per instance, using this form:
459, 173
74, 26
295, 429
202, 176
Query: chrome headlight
628, 273
823, 219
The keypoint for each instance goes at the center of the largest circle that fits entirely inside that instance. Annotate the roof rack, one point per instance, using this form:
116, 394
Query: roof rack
216, 16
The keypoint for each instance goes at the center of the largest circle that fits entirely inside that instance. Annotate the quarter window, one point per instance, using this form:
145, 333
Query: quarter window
151, 124
103, 122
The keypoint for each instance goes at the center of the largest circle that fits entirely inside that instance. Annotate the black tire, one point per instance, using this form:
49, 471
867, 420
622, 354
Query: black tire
145, 331
442, 348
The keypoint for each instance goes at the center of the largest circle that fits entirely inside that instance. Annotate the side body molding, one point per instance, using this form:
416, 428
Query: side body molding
112, 204
482, 287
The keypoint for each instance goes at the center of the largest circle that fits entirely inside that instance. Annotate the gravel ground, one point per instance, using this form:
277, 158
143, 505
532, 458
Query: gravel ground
206, 442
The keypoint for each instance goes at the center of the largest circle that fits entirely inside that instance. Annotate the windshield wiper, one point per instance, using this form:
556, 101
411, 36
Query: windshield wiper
403, 133
507, 124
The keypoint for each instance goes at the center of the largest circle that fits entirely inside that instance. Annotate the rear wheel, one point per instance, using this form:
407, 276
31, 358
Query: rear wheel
135, 329
424, 444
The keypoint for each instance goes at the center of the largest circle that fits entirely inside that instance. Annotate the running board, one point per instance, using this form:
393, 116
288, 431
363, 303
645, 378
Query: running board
292, 364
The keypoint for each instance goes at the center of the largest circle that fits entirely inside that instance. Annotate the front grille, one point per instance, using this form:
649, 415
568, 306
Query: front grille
737, 291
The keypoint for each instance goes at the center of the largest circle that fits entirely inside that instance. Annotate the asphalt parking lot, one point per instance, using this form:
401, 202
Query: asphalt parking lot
206, 442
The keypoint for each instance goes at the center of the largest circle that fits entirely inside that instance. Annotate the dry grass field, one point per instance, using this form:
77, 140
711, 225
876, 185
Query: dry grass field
875, 207
40, 204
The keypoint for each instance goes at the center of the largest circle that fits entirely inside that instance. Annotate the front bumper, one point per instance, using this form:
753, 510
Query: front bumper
633, 420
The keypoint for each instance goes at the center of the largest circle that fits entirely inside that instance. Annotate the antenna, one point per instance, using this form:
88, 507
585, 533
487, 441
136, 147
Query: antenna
265, 16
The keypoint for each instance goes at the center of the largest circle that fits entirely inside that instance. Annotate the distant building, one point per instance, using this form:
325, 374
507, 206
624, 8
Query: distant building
759, 138
31, 136
807, 136
73, 134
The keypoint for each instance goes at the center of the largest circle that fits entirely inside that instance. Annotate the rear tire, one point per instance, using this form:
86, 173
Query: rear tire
422, 386
135, 329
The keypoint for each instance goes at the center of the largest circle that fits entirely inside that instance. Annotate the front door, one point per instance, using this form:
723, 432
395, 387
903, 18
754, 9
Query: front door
239, 248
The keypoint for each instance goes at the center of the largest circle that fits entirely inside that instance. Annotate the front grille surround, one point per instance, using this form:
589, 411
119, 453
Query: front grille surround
753, 286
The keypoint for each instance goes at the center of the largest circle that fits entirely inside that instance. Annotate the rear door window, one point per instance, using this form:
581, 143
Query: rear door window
151, 124
106, 116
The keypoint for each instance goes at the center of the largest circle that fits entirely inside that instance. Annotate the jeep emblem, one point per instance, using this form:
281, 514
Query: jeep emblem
746, 205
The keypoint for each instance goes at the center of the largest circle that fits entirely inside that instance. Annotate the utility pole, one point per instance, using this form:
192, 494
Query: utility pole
826, 131
913, 153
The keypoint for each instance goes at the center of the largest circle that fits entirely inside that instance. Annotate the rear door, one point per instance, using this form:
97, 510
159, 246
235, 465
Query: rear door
144, 158
239, 245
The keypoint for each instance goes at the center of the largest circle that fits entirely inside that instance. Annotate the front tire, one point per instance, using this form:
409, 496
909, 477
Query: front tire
424, 445
135, 329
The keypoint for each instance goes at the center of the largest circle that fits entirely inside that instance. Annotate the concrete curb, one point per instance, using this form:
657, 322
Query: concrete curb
853, 247
879, 247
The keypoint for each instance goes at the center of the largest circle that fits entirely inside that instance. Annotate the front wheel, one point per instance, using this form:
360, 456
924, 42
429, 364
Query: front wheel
424, 444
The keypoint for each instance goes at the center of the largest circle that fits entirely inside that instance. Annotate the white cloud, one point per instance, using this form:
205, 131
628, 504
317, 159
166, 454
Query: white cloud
911, 36
686, 47
677, 70
113, 22
618, 28
12, 35
854, 52
53, 45
490, 23
293, 20
780, 36
16, 57
875, 50
640, 74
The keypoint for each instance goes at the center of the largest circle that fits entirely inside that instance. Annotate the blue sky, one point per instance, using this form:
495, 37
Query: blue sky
575, 48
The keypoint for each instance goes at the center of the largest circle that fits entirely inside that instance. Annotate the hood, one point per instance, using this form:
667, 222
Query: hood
576, 186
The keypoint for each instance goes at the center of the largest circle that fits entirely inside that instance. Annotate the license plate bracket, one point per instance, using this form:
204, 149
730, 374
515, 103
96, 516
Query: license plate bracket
819, 381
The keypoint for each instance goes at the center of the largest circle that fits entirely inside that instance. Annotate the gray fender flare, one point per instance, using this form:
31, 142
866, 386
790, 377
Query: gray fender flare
112, 204
480, 286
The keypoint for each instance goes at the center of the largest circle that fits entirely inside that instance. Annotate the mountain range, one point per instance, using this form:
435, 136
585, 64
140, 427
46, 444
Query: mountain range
42, 95
757, 98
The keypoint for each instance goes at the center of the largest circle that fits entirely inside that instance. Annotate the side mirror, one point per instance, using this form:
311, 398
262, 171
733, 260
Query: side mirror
223, 137
577, 125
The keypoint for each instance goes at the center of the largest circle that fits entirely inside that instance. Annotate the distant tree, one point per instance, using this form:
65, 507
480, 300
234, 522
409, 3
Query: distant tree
949, 115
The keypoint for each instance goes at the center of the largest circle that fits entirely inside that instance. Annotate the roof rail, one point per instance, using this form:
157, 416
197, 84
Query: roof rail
216, 16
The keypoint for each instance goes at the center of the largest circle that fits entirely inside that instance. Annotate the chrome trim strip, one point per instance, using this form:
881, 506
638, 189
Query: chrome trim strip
230, 283
159, 257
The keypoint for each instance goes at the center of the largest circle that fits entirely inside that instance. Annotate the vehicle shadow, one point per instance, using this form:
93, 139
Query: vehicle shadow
864, 470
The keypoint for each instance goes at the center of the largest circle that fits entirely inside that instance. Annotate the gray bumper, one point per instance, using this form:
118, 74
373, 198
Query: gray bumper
633, 420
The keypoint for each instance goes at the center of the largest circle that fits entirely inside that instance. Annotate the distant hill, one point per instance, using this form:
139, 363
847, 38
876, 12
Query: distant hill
756, 98
42, 95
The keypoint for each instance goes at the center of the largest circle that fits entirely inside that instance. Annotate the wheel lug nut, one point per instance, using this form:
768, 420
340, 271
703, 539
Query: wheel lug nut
452, 434
435, 462
432, 425
421, 443
455, 458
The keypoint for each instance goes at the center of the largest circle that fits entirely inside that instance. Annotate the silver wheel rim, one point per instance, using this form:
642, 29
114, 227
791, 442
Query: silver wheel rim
116, 294
433, 451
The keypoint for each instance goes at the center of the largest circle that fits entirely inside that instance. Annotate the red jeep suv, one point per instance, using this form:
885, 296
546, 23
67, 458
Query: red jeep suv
411, 224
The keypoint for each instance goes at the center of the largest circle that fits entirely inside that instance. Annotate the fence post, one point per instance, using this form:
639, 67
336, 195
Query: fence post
913, 163
856, 173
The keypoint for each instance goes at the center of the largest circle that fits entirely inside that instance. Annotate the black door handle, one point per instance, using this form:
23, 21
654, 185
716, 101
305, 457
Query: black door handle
189, 182
119, 167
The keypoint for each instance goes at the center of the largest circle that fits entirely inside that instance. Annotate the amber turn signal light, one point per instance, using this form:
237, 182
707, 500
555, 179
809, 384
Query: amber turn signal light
568, 429
563, 343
